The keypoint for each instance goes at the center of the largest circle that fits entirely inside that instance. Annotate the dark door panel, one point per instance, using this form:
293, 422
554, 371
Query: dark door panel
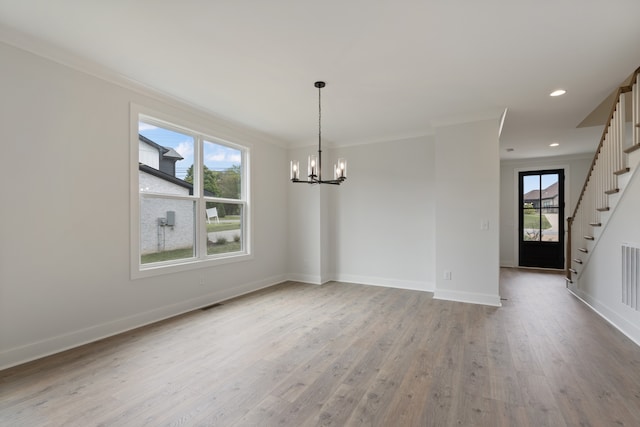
541, 218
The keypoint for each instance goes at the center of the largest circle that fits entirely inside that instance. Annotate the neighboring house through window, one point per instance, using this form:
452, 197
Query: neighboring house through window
191, 204
548, 197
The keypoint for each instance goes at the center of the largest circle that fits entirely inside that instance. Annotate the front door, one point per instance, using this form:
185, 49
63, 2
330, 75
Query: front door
541, 218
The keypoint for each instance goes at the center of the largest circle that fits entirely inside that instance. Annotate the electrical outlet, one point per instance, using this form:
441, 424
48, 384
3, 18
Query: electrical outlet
447, 275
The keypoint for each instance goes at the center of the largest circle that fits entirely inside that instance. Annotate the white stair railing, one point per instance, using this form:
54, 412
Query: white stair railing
603, 184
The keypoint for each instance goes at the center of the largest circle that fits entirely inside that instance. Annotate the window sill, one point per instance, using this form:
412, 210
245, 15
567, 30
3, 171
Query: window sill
140, 272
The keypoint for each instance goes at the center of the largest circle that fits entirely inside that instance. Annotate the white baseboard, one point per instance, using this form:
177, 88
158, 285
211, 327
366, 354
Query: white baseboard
627, 328
311, 279
386, 282
468, 297
36, 350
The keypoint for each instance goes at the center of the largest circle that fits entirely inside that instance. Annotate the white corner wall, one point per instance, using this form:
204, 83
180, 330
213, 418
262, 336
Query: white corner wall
64, 251
304, 227
467, 212
576, 169
377, 228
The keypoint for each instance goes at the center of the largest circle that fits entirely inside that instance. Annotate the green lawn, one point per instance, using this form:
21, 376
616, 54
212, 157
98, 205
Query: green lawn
213, 248
229, 222
166, 255
533, 221
223, 226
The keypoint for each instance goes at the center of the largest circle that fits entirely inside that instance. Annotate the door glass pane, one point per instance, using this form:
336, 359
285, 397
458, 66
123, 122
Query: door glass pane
531, 229
531, 208
549, 203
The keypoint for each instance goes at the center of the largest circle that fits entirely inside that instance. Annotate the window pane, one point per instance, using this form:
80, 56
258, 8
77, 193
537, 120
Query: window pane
167, 229
180, 172
168, 152
222, 171
224, 228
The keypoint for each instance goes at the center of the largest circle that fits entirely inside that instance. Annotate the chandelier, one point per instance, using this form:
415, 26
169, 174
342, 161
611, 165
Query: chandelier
314, 165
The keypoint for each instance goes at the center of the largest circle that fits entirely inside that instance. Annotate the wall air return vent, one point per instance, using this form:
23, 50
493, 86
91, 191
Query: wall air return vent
630, 276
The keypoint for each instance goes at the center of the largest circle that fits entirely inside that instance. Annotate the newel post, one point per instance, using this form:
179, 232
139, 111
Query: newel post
568, 253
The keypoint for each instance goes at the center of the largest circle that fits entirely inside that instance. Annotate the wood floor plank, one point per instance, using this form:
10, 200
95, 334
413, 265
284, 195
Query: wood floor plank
338, 408
346, 355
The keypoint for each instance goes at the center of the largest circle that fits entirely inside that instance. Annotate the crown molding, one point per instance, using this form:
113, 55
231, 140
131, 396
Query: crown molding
47, 50
477, 116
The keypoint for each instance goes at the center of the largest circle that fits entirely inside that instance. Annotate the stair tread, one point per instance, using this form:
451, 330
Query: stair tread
606, 208
622, 171
632, 148
585, 250
612, 191
573, 271
595, 224
589, 237
577, 260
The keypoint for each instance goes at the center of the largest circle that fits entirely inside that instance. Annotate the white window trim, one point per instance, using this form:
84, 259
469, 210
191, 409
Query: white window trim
180, 124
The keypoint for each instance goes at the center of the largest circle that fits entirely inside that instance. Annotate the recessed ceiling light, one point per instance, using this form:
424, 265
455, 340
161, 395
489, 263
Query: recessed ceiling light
553, 144
558, 92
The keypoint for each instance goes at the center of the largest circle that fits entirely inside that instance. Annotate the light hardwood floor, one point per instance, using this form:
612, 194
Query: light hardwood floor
346, 355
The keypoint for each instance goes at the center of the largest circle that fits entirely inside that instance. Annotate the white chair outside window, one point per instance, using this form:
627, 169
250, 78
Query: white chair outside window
212, 214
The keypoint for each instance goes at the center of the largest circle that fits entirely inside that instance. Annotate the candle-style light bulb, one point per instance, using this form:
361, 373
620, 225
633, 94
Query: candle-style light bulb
313, 166
295, 170
342, 168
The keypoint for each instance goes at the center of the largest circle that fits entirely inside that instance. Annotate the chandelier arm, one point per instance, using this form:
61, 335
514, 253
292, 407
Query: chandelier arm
317, 181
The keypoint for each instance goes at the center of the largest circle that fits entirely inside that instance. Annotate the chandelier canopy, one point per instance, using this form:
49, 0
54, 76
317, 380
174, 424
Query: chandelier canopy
314, 164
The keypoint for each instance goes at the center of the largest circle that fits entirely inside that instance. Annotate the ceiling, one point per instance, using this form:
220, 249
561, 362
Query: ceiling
394, 68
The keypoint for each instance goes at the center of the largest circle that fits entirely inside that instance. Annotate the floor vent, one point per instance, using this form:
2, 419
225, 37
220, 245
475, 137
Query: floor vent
209, 307
630, 276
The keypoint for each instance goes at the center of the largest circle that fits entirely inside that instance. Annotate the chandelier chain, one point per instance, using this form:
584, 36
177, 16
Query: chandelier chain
315, 163
319, 118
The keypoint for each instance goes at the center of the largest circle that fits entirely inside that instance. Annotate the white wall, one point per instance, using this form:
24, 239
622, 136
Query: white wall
64, 251
304, 230
600, 282
382, 217
467, 195
376, 228
576, 169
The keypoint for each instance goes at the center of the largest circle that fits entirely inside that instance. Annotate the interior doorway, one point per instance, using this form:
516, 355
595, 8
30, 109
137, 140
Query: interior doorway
541, 218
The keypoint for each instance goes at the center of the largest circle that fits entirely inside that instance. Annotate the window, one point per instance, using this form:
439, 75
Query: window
190, 204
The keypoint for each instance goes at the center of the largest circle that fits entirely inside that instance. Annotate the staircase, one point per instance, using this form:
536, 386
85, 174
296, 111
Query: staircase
615, 162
